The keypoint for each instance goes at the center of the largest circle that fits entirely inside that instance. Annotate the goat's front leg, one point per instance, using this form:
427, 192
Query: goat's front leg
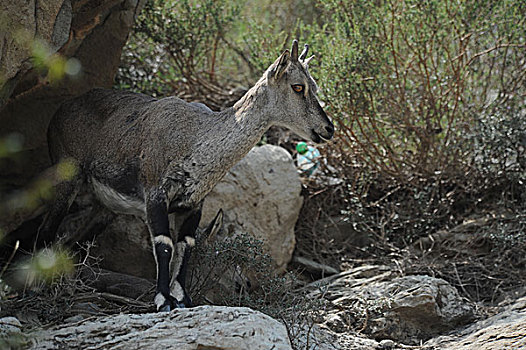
163, 248
185, 242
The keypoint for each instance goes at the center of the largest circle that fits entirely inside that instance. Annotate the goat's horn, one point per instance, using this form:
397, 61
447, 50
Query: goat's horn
306, 62
294, 54
304, 52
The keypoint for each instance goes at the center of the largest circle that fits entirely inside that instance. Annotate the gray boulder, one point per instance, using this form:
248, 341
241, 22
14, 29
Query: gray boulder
261, 196
406, 309
11, 333
505, 330
92, 34
416, 307
204, 327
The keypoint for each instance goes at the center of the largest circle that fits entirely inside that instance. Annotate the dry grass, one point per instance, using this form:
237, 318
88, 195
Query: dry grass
46, 303
468, 231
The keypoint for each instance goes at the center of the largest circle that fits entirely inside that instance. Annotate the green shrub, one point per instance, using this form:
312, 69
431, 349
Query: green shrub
236, 271
428, 98
175, 47
406, 80
207, 51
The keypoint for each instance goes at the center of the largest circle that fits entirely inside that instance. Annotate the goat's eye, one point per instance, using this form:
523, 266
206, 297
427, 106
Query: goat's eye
298, 88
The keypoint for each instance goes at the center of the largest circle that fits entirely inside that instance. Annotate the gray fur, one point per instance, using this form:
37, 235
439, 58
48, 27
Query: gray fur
136, 150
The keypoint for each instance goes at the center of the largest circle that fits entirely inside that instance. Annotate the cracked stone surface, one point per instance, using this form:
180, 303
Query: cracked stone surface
408, 309
204, 327
505, 330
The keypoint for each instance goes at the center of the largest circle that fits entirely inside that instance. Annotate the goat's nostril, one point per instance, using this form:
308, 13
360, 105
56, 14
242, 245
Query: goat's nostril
330, 129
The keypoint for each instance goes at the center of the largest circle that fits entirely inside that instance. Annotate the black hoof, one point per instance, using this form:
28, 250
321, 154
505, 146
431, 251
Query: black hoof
168, 304
164, 308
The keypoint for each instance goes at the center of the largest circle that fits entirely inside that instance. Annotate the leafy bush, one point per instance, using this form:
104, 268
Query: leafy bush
428, 100
192, 49
175, 48
500, 141
405, 80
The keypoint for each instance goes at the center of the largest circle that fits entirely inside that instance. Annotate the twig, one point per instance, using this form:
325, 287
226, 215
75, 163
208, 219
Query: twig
10, 258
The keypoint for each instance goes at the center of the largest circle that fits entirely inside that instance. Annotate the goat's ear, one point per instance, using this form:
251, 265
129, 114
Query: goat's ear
213, 227
294, 54
278, 68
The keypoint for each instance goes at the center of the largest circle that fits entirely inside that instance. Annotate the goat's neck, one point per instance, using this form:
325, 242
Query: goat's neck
242, 126
250, 118
230, 137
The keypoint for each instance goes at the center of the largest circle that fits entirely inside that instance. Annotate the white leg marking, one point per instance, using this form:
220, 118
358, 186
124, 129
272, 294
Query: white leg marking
190, 241
159, 300
177, 261
163, 239
177, 291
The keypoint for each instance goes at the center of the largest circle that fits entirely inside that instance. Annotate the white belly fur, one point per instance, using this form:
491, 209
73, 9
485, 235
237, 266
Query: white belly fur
118, 202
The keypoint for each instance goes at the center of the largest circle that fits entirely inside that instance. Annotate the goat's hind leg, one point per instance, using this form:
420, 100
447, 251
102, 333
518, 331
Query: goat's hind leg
65, 193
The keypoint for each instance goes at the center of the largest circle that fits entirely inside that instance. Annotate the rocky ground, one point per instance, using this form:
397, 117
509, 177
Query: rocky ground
418, 307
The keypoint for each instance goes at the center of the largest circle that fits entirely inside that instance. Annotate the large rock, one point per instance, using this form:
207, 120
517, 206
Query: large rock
505, 330
416, 307
260, 195
408, 309
21, 22
126, 239
11, 333
314, 337
204, 327
92, 31
89, 33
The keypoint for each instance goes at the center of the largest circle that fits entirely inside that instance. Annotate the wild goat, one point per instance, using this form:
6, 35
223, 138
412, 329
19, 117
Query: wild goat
152, 157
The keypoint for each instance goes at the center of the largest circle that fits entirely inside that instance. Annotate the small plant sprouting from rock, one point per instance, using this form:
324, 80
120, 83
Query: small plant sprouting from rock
236, 271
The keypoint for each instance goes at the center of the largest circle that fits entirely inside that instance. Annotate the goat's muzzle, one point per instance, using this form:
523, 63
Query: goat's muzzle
324, 135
